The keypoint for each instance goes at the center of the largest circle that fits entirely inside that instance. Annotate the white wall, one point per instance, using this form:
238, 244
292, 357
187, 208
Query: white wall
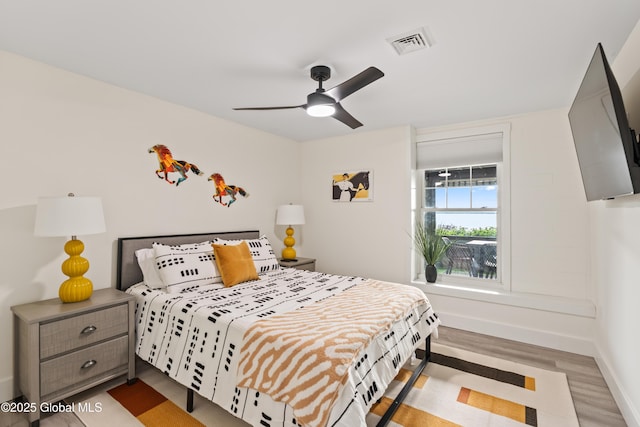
62, 133
549, 303
615, 248
359, 238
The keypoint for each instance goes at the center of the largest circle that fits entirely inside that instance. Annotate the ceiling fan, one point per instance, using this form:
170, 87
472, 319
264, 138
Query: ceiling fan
325, 103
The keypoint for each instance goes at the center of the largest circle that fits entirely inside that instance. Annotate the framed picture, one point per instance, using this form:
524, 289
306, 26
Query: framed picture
352, 186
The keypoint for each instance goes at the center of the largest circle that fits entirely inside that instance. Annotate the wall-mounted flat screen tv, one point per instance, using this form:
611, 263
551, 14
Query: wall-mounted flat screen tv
606, 146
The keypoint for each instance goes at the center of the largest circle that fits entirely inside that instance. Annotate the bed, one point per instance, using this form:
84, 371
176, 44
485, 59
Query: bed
286, 348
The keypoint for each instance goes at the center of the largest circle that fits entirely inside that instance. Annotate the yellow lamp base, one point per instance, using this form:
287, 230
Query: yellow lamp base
77, 287
288, 252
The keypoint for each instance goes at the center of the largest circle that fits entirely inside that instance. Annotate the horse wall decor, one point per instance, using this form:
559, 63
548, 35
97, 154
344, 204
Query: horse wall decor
352, 186
168, 165
224, 189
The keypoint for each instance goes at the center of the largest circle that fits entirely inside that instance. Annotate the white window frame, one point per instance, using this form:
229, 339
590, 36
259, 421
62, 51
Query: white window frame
503, 172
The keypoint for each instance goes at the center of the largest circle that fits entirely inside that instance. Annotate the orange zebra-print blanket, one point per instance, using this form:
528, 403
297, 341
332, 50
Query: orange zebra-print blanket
302, 357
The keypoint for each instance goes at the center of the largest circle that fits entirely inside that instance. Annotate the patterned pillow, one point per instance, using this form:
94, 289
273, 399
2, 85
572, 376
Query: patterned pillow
147, 261
261, 252
235, 263
184, 267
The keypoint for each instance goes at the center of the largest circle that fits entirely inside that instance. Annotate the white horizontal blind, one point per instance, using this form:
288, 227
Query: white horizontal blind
459, 151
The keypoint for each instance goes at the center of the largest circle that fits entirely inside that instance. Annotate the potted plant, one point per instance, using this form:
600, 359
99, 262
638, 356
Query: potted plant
431, 247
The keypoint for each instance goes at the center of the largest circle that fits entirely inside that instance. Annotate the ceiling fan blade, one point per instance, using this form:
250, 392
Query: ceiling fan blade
346, 118
271, 108
355, 83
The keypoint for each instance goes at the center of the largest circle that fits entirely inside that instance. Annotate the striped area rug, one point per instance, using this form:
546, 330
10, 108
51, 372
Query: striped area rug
461, 388
457, 388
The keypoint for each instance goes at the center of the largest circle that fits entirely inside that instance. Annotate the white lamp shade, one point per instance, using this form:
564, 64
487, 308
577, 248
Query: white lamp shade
290, 215
69, 216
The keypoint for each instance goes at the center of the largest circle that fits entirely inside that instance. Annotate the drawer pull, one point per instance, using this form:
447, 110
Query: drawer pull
88, 330
88, 364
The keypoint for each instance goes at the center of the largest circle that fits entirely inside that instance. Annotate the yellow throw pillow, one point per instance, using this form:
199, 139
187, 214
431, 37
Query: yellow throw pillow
235, 263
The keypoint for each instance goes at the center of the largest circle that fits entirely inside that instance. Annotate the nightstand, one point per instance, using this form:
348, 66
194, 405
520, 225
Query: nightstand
300, 263
64, 348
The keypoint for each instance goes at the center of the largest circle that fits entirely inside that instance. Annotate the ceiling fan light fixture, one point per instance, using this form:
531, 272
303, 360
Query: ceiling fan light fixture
320, 105
323, 103
323, 110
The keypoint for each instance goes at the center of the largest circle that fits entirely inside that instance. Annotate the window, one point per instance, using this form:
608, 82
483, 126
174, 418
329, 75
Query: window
461, 204
464, 201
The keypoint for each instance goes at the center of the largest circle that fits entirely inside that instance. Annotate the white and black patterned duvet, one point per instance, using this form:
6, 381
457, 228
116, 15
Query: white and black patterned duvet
195, 338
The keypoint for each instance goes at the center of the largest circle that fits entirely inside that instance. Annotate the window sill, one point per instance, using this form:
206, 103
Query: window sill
572, 306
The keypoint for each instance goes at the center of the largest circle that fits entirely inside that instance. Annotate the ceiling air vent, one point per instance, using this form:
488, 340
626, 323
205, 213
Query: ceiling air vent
410, 41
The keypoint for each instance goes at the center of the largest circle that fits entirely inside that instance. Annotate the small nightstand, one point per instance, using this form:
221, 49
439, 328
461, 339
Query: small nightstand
62, 349
300, 263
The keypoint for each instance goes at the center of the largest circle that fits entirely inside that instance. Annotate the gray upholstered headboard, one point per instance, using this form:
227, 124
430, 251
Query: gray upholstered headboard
128, 271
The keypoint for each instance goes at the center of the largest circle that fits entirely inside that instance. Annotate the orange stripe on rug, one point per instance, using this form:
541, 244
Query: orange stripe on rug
498, 406
530, 383
406, 415
150, 407
404, 375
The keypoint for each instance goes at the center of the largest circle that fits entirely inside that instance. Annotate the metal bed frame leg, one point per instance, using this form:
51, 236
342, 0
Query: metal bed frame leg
396, 402
189, 400
407, 387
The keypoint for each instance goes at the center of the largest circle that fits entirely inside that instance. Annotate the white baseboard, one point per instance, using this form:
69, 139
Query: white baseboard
519, 333
629, 412
6, 389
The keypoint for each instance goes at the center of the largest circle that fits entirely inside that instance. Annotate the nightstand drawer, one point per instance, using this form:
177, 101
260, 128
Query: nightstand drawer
81, 366
77, 331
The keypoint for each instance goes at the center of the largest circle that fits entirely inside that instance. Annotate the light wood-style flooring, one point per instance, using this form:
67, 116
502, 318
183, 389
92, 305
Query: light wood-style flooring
594, 404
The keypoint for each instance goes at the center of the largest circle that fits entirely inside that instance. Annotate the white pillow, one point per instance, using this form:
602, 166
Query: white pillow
184, 267
261, 252
147, 262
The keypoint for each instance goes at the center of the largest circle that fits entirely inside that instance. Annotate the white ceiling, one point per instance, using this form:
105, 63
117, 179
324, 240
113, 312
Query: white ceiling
489, 58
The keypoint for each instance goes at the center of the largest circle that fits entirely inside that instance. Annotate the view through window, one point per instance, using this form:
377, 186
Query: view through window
461, 205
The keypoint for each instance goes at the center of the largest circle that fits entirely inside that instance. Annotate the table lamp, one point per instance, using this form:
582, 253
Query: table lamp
289, 215
71, 216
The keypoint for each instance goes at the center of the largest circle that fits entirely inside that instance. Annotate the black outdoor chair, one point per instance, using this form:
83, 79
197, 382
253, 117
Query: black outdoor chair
490, 266
460, 257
